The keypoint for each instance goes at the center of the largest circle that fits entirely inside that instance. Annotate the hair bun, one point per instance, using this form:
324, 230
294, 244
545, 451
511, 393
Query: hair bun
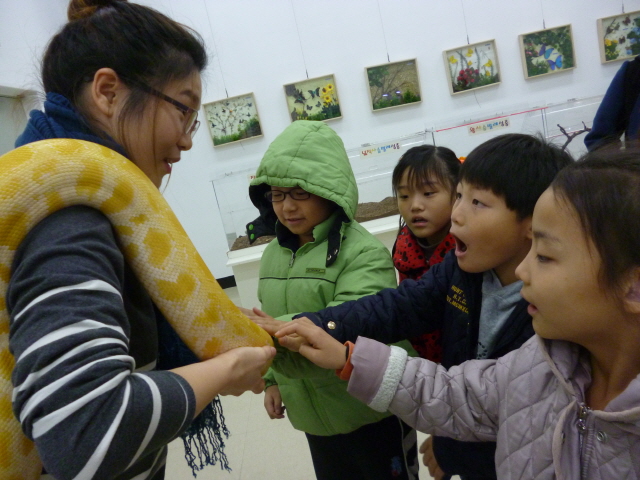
79, 9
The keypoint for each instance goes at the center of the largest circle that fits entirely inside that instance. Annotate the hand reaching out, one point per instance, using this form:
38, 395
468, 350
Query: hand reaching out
267, 322
271, 326
313, 343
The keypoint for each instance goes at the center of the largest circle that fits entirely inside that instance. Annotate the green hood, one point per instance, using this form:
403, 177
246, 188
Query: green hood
312, 156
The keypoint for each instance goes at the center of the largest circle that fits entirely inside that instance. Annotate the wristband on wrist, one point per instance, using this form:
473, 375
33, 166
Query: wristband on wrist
344, 373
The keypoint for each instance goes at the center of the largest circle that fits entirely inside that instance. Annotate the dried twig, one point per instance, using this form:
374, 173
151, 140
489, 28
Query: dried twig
572, 135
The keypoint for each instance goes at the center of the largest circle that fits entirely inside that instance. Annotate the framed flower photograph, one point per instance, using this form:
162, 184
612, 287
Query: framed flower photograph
233, 119
619, 37
393, 84
313, 99
547, 51
472, 66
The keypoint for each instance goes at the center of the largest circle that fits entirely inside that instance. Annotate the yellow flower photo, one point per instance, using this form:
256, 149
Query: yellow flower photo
472, 66
619, 37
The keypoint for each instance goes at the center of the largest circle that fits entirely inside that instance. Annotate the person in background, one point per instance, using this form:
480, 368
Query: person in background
619, 111
85, 333
322, 257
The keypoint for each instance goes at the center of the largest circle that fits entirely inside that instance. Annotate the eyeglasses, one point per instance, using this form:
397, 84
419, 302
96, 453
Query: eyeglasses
191, 125
277, 196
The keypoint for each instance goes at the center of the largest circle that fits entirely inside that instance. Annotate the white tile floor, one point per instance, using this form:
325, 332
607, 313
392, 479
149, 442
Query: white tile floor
258, 448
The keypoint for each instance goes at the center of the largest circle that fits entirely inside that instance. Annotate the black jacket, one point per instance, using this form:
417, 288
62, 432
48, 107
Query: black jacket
445, 298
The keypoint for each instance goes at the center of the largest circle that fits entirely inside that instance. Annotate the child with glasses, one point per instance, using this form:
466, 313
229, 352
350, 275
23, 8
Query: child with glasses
322, 257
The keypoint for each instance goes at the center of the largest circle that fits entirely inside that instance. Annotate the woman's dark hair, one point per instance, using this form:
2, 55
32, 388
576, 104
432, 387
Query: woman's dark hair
426, 163
140, 44
603, 188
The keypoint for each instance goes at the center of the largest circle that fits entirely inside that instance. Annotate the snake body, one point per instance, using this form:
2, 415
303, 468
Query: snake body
43, 177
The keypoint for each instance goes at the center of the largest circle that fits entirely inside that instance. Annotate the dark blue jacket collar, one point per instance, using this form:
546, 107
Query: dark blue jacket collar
61, 120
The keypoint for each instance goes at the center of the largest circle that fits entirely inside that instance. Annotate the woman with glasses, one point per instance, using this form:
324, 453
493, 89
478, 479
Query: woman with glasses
322, 257
90, 344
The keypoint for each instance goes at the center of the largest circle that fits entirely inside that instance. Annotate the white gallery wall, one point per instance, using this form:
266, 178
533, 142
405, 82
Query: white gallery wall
260, 45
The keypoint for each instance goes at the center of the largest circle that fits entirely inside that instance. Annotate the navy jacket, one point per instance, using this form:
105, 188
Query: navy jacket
619, 111
445, 298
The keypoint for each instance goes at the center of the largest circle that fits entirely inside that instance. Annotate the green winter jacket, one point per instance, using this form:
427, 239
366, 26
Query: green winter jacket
344, 262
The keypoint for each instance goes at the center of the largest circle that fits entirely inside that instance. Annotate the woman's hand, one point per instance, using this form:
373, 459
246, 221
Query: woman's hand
303, 336
230, 373
245, 368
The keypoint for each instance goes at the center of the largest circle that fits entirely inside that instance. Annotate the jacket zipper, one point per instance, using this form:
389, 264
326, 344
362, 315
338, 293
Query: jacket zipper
293, 257
583, 413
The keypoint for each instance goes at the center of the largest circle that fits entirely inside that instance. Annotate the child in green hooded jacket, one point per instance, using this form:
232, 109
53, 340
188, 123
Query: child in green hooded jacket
322, 257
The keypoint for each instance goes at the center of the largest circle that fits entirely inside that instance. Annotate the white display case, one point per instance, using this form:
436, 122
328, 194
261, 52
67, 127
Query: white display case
574, 115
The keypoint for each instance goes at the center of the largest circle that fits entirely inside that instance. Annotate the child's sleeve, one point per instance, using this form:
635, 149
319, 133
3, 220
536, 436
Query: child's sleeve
462, 402
269, 379
366, 274
393, 314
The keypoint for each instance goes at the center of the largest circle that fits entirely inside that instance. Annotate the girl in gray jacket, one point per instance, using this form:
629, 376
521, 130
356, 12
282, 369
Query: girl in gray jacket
567, 403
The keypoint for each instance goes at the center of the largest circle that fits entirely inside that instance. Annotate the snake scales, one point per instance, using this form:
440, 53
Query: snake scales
43, 177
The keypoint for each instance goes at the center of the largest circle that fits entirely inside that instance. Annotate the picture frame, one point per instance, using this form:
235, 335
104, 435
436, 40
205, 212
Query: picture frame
471, 67
393, 84
547, 52
233, 119
313, 99
619, 37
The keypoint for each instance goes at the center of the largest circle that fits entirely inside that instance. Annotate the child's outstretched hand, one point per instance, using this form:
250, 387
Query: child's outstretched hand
303, 336
267, 322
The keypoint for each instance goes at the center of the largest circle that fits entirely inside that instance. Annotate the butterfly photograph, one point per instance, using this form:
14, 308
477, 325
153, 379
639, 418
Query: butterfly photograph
547, 51
233, 119
313, 99
472, 66
619, 37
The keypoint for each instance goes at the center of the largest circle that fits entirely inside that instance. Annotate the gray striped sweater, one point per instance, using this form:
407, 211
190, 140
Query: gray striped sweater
84, 336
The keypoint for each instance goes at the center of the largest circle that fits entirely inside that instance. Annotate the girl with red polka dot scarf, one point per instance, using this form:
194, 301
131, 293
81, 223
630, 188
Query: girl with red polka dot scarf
424, 184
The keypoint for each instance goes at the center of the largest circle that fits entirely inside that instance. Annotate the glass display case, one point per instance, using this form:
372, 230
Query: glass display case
373, 163
231, 189
560, 123
565, 124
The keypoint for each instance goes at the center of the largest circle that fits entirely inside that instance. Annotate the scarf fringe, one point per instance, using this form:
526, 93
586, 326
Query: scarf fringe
203, 442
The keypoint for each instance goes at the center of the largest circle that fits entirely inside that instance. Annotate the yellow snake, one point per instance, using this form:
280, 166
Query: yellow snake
42, 177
